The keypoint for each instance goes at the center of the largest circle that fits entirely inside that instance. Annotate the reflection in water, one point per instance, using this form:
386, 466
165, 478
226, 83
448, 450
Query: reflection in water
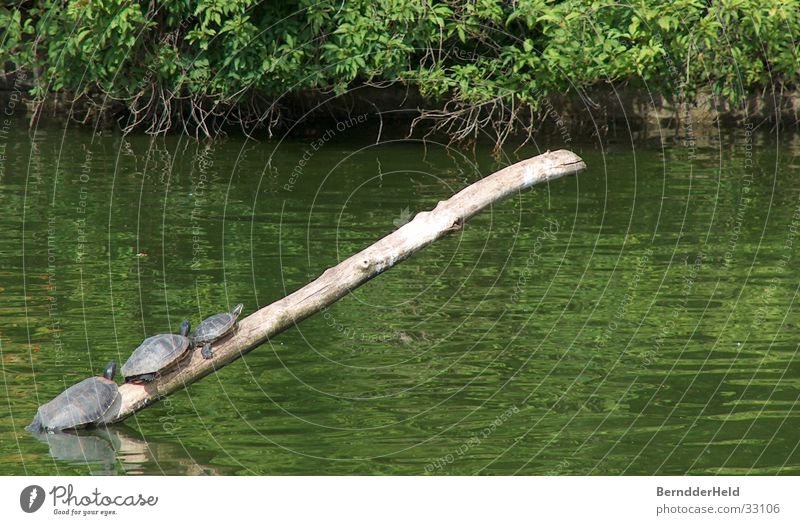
118, 449
96, 449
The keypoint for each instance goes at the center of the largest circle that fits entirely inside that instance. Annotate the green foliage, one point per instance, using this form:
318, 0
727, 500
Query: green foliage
475, 54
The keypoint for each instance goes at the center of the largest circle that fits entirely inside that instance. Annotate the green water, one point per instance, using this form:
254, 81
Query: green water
640, 318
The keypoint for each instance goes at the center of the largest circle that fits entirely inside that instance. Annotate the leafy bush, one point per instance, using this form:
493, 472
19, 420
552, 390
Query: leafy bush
486, 62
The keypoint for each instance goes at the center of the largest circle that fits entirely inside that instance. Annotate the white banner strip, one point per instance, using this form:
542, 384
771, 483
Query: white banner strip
400, 500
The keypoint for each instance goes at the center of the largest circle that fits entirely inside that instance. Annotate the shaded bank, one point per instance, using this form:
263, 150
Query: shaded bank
399, 112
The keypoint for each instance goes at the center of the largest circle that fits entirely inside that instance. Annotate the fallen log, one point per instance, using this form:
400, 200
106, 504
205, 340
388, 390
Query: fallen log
337, 281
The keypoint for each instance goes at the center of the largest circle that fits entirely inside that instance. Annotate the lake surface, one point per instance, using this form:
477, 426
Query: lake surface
640, 318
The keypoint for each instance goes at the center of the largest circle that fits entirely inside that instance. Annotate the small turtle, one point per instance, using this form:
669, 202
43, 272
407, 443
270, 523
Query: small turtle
155, 355
214, 328
81, 405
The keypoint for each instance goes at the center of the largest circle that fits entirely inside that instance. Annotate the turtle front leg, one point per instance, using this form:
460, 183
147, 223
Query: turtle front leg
206, 352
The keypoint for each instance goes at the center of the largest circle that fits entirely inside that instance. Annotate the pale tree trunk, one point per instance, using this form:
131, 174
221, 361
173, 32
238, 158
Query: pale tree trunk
335, 282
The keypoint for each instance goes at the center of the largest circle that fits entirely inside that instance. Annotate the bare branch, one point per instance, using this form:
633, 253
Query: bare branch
351, 273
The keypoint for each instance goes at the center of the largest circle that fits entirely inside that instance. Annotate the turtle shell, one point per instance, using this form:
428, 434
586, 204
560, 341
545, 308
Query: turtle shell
79, 405
155, 354
216, 326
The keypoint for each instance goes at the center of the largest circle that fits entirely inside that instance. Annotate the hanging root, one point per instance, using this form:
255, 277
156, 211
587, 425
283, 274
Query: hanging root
461, 122
156, 109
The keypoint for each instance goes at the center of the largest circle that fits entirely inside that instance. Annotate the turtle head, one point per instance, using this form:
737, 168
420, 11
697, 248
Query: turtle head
237, 310
111, 370
185, 325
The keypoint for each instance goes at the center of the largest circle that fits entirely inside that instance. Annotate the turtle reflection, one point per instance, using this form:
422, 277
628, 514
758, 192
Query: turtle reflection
120, 450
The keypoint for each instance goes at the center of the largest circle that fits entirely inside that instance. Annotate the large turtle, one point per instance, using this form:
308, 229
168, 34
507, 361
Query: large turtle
155, 355
214, 328
81, 405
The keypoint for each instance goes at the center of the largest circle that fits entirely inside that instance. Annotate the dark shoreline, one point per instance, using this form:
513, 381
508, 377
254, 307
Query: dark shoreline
603, 111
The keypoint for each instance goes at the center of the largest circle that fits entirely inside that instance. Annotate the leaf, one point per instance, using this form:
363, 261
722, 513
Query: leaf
527, 45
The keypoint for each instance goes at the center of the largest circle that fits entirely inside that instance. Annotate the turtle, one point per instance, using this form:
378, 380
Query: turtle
81, 405
156, 354
214, 328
